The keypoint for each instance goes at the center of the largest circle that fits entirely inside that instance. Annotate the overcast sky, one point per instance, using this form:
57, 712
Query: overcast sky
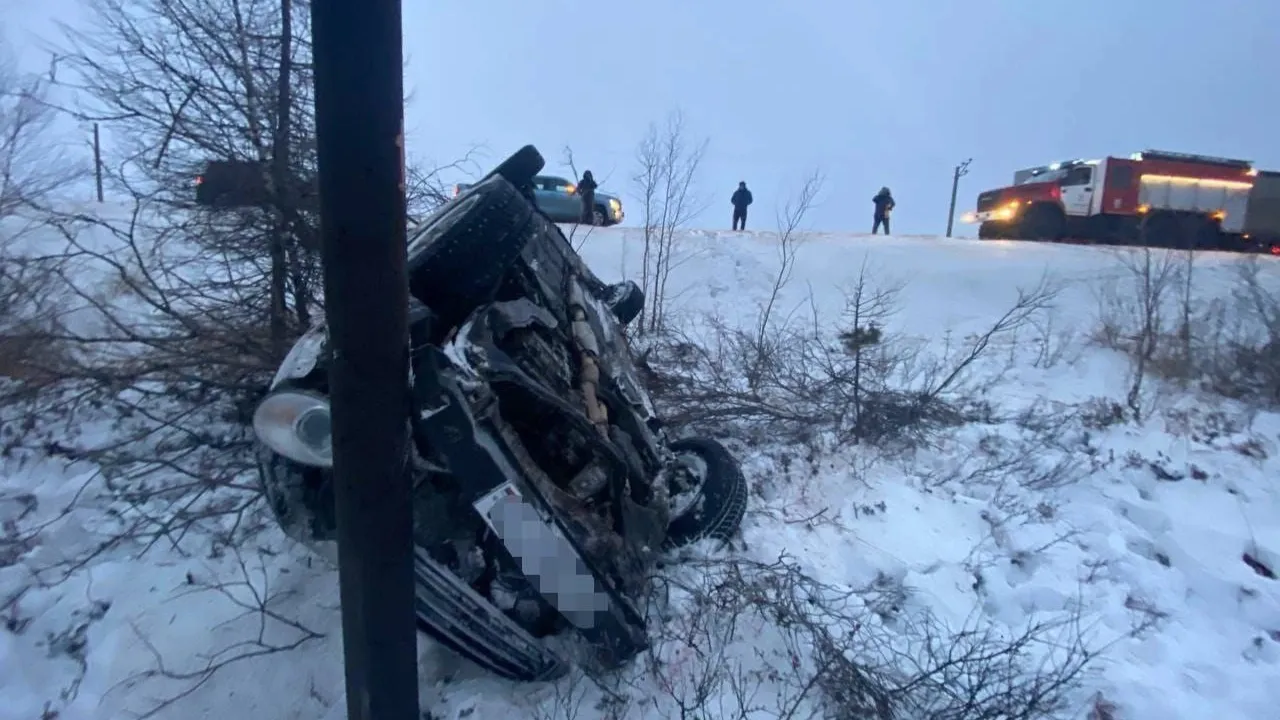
887, 93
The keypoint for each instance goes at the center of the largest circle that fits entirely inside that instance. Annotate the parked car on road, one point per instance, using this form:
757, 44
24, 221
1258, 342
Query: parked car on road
558, 199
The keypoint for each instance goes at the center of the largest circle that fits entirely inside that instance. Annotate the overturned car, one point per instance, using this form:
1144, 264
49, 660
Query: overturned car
545, 486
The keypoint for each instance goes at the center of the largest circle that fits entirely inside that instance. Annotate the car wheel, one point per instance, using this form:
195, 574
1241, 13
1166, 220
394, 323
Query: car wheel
459, 256
626, 300
717, 500
520, 167
600, 217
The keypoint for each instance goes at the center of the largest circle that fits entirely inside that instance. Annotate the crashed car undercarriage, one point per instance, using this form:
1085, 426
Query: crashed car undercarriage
546, 488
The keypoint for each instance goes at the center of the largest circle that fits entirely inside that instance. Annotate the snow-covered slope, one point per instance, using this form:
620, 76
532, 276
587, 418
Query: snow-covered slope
1154, 527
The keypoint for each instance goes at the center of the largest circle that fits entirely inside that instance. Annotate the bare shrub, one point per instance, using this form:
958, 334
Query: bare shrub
1238, 348
1136, 314
766, 639
790, 218
250, 594
30, 357
1229, 346
860, 381
665, 181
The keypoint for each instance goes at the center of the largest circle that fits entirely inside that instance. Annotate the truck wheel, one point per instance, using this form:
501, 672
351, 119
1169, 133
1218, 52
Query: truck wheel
600, 216
1206, 234
1161, 230
460, 254
1044, 222
989, 231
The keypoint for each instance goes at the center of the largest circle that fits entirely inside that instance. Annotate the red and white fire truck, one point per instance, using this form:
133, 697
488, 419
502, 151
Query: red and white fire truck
1152, 198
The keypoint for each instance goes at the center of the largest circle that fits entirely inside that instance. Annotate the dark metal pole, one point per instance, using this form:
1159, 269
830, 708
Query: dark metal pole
359, 120
97, 160
961, 170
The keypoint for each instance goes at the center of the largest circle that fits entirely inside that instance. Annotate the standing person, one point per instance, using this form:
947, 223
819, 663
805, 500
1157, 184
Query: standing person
587, 191
884, 205
741, 199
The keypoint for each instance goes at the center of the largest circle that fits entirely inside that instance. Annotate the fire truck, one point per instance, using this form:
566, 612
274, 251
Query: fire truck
1152, 198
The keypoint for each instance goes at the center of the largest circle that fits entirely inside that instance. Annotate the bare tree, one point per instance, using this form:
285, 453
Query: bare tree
180, 83
425, 189
33, 163
868, 308
790, 217
33, 169
182, 312
666, 183
573, 168
1135, 315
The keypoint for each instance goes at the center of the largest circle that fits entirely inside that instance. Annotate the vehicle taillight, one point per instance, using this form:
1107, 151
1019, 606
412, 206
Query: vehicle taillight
456, 190
199, 180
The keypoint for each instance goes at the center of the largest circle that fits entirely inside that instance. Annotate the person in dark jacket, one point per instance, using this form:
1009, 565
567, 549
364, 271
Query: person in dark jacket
587, 191
884, 206
741, 199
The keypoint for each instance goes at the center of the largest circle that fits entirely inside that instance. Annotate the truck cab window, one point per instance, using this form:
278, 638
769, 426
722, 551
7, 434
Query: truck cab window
1078, 176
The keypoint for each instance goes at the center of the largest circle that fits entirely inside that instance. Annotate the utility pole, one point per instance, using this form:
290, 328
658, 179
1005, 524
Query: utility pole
359, 95
97, 160
961, 170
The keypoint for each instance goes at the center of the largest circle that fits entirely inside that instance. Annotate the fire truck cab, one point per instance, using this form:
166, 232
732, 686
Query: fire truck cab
1152, 198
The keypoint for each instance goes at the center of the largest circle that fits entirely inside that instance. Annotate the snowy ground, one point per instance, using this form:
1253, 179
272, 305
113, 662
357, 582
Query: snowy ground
1154, 528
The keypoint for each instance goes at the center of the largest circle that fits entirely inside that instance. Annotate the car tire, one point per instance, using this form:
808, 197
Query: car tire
721, 504
460, 255
600, 217
520, 167
626, 300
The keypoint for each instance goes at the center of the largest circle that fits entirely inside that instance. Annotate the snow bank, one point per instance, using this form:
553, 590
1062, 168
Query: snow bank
1155, 529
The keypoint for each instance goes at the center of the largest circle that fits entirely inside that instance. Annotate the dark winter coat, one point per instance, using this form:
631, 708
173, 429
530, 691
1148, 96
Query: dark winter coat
586, 191
741, 198
884, 203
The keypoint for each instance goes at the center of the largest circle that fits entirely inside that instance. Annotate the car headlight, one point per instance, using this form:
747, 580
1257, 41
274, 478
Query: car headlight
296, 424
615, 204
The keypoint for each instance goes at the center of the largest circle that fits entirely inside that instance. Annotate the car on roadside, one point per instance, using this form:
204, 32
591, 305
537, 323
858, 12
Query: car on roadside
546, 487
558, 199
